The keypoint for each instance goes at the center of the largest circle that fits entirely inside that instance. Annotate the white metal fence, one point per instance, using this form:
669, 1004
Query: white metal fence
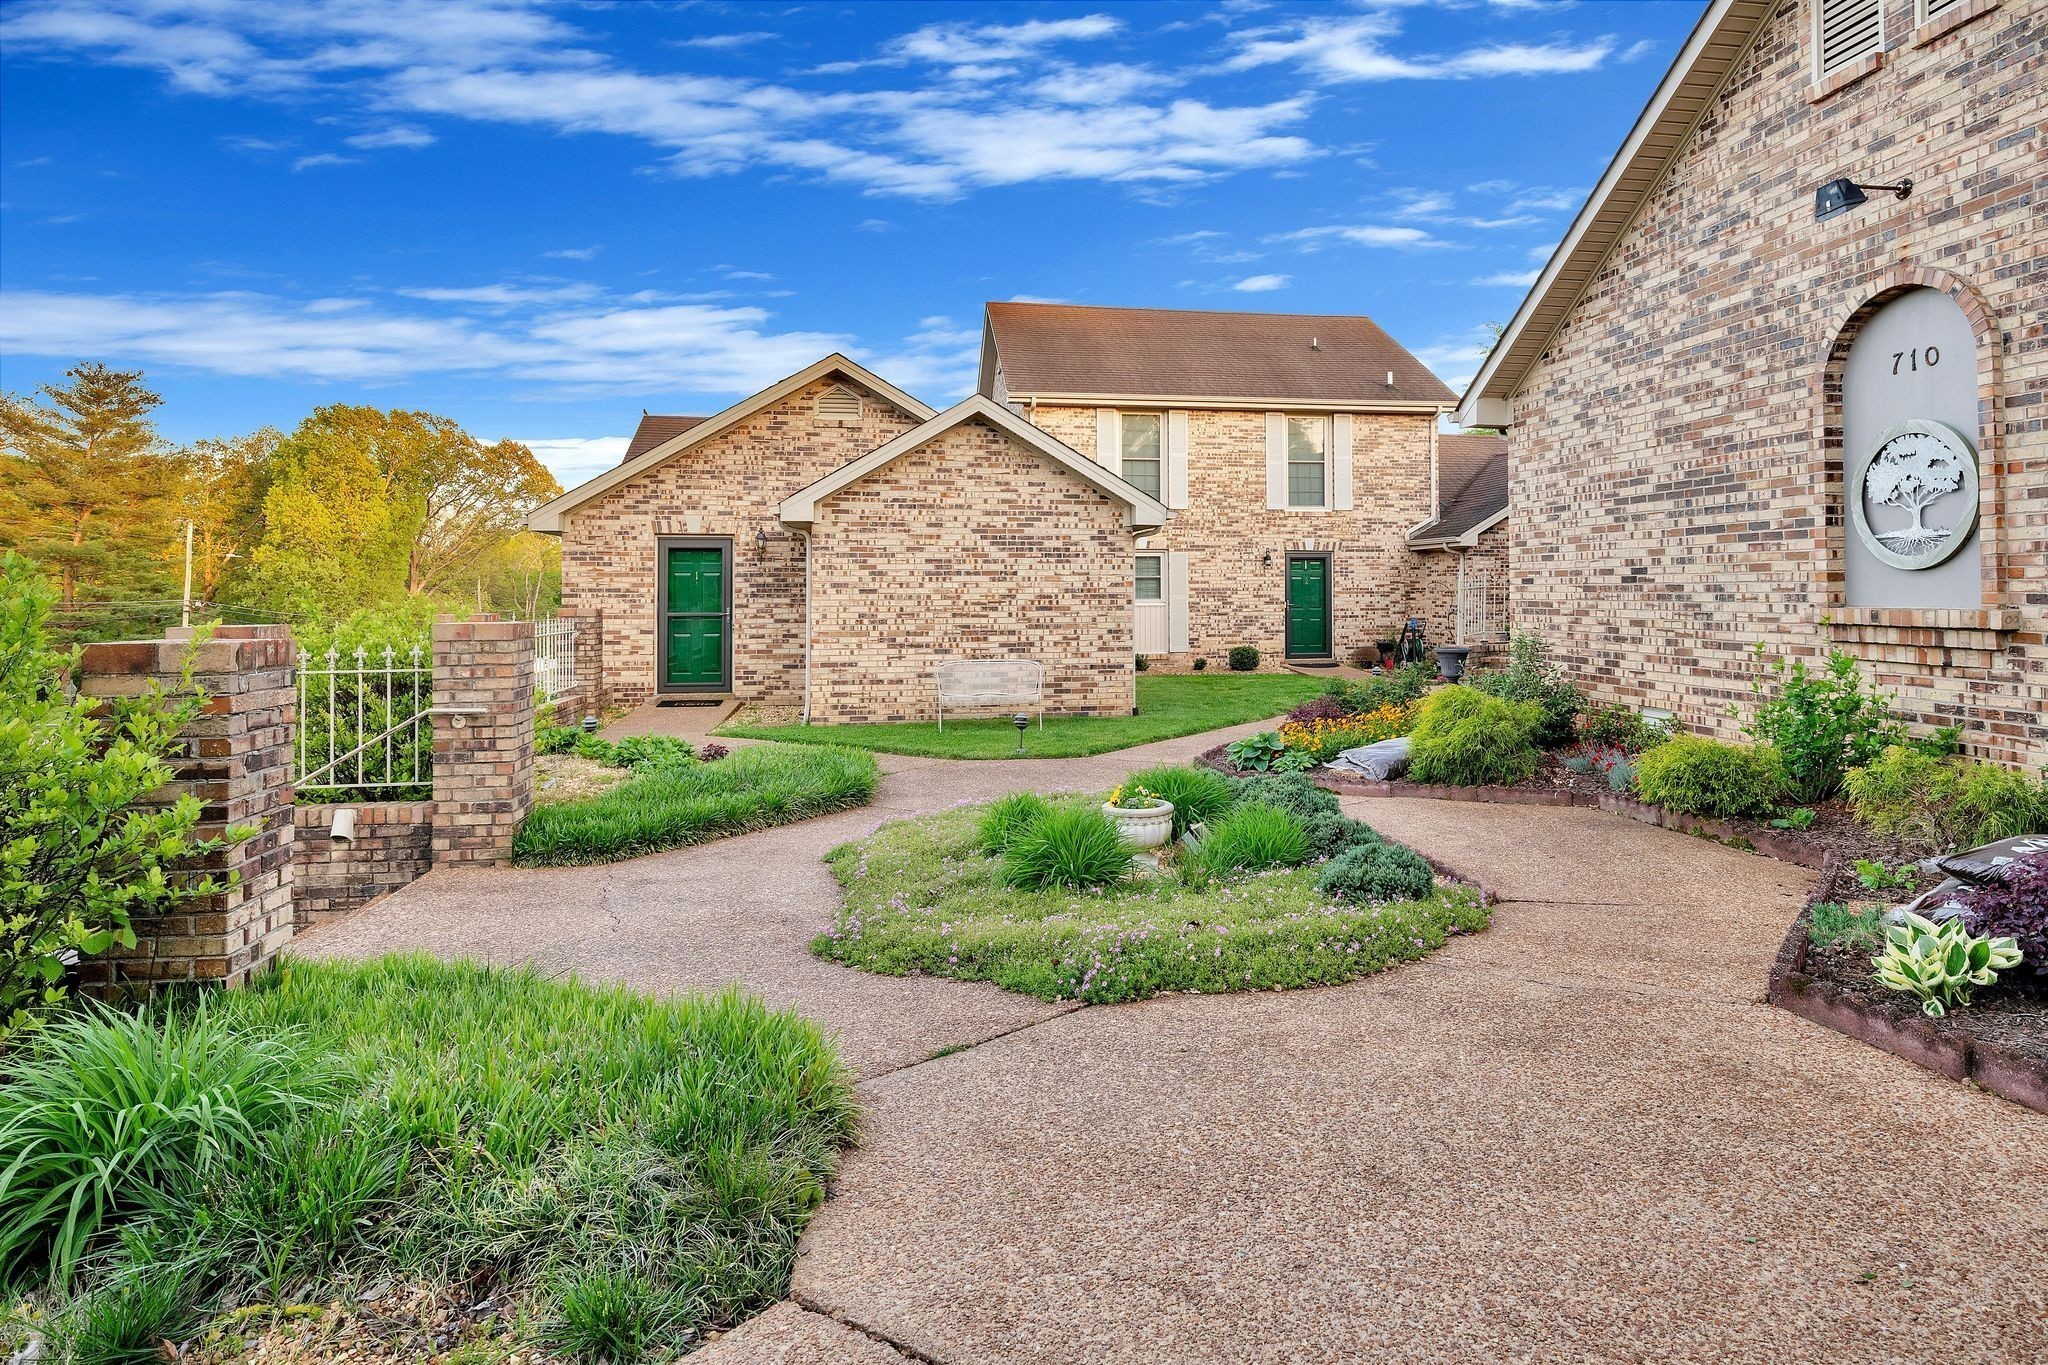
554, 657
1482, 601
363, 722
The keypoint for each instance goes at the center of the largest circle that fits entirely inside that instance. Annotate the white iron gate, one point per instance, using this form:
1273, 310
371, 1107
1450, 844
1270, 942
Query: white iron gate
554, 657
363, 722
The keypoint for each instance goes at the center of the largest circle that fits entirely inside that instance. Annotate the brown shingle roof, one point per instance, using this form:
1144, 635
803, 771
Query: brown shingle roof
1472, 484
653, 430
1170, 353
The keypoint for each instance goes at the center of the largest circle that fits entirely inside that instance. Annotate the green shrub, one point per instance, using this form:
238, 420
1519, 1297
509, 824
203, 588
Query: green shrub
1697, 776
669, 805
1377, 871
596, 748
1251, 838
1072, 846
1821, 722
1941, 964
1944, 803
555, 739
1198, 795
1330, 834
104, 1113
1144, 663
1257, 753
1243, 658
1466, 738
1291, 792
1530, 677
1201, 664
1405, 684
1009, 816
1615, 726
636, 751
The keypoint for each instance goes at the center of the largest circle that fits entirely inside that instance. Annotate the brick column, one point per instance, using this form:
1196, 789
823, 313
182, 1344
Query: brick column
590, 680
483, 760
239, 766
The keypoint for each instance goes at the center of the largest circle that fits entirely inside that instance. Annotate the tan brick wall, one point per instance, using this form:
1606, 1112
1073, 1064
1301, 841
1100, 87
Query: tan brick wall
1676, 463
483, 741
729, 486
391, 848
971, 546
1436, 590
1234, 597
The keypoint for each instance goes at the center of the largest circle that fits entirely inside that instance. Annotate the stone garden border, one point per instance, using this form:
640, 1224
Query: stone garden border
2023, 1080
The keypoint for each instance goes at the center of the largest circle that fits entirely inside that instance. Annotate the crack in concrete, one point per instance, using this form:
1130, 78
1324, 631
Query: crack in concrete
879, 1338
1074, 1007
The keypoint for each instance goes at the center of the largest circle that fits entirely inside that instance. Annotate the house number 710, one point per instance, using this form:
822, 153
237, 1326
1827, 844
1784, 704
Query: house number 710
1930, 356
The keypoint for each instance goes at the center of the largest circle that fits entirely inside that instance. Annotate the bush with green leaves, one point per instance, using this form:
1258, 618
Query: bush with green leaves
1530, 677
1257, 753
555, 739
1243, 658
1941, 965
1249, 839
1294, 793
1821, 721
1377, 871
1072, 846
1944, 803
1693, 775
1405, 684
81, 854
639, 751
1615, 726
1007, 817
1197, 794
1467, 738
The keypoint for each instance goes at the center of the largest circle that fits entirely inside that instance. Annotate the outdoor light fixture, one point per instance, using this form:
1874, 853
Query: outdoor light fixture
1839, 196
590, 725
1268, 560
342, 829
1023, 723
760, 541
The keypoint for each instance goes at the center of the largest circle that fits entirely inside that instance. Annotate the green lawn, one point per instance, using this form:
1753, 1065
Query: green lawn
1169, 706
922, 898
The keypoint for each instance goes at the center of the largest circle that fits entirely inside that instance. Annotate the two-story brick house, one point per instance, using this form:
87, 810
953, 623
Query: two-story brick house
1296, 453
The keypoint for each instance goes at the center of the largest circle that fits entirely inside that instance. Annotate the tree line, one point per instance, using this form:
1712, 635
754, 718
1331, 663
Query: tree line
356, 508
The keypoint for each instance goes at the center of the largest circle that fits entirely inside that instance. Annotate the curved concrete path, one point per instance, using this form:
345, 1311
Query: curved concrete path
1580, 1135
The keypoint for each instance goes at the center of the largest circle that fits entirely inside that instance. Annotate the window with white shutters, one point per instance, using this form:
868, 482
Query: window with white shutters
1846, 30
1930, 9
1150, 578
1140, 445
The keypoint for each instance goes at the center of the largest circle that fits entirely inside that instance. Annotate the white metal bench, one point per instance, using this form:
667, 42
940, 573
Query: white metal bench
969, 683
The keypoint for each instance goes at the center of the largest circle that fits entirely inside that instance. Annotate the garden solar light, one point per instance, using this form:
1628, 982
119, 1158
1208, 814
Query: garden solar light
1839, 196
590, 725
1023, 723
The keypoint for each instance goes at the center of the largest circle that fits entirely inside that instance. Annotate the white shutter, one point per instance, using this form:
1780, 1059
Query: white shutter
1276, 461
1109, 451
1176, 486
1847, 30
1176, 602
1340, 461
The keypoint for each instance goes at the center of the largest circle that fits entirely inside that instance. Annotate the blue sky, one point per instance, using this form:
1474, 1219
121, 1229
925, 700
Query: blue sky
539, 219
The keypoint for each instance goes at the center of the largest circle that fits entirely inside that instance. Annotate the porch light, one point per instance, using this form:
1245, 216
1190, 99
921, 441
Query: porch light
1268, 559
760, 541
1839, 196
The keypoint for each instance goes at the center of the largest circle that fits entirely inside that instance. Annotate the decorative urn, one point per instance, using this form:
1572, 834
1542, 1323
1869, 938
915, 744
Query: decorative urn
1146, 825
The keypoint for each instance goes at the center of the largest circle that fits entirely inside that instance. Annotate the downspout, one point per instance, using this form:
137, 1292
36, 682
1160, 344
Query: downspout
807, 626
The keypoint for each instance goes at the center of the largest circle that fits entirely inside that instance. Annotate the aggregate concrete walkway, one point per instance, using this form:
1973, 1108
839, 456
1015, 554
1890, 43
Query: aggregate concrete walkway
1580, 1135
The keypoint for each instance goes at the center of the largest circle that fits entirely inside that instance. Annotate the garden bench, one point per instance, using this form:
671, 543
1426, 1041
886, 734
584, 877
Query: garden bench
970, 683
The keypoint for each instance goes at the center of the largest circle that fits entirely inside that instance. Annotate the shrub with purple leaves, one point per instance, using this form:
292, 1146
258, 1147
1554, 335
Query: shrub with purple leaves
711, 753
1329, 706
2016, 906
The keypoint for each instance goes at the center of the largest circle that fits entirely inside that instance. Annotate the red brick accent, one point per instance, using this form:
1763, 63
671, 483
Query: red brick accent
483, 755
239, 768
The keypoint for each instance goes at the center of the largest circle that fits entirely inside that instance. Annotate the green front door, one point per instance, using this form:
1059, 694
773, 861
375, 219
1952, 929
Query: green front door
1308, 606
693, 616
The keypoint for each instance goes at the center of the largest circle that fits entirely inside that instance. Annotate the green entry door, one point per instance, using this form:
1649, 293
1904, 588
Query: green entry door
1308, 606
695, 616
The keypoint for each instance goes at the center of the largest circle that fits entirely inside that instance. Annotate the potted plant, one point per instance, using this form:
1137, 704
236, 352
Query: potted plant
1450, 661
1143, 818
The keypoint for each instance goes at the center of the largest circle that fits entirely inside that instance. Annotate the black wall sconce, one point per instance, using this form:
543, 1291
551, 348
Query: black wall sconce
1839, 196
1268, 559
760, 541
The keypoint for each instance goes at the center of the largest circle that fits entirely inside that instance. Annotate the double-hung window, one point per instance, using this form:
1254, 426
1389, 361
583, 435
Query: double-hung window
1139, 442
1308, 457
1149, 582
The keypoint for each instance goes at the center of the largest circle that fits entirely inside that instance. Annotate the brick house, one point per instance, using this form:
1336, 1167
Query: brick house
824, 543
1461, 594
1296, 454
1760, 394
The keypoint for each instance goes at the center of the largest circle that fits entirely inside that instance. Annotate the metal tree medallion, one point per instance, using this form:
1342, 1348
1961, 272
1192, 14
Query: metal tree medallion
1915, 465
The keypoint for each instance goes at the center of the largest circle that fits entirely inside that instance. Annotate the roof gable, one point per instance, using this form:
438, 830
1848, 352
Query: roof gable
1717, 43
1146, 513
1059, 351
548, 516
655, 428
1472, 484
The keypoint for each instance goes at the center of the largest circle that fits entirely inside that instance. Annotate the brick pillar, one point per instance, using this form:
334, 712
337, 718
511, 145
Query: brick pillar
239, 766
483, 760
591, 693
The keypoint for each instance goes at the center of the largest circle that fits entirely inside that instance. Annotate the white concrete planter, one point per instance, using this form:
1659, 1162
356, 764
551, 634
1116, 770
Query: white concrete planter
1143, 827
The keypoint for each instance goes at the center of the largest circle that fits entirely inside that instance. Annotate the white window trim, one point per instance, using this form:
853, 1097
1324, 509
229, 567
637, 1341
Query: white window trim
1286, 459
1925, 13
1158, 557
1122, 413
1823, 72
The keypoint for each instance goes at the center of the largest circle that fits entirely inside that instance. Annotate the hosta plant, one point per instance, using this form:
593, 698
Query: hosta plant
1941, 964
1257, 753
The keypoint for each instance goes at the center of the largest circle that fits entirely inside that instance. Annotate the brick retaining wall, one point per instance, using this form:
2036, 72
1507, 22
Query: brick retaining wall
393, 846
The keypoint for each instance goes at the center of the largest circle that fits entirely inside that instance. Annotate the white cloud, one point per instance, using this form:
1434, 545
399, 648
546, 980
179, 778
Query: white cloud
1336, 49
573, 459
1368, 234
398, 135
954, 44
1457, 359
504, 295
306, 163
1518, 279
1262, 284
574, 253
721, 41
1642, 47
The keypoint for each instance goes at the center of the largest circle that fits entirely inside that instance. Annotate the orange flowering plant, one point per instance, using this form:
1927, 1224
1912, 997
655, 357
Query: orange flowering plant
1325, 738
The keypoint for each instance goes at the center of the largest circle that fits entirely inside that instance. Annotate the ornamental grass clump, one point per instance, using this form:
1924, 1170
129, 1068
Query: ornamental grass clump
1465, 738
1249, 839
1198, 795
1693, 775
1075, 847
1008, 817
1943, 803
1377, 871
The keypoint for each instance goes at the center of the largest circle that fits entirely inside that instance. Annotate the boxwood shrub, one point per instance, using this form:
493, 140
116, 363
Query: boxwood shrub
1465, 738
1697, 776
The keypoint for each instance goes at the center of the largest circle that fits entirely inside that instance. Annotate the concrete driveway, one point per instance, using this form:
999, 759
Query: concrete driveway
1578, 1136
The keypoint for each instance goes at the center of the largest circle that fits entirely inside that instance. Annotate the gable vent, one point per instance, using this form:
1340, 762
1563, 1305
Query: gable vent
839, 404
1930, 8
1849, 29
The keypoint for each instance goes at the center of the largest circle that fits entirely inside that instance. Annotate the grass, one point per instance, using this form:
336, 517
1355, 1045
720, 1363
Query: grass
922, 897
1169, 706
624, 1171
671, 804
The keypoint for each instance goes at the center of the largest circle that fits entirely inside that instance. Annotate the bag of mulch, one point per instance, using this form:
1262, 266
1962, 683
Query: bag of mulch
1382, 761
1937, 903
1979, 865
